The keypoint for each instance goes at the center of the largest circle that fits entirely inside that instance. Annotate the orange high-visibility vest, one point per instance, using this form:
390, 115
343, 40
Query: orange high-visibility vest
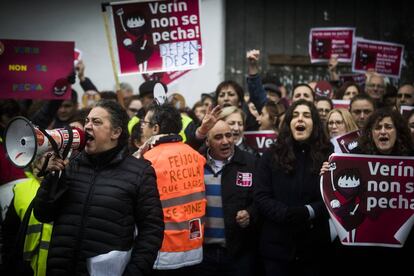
180, 182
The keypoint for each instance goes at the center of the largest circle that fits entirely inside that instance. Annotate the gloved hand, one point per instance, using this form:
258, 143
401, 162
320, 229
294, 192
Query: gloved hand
297, 215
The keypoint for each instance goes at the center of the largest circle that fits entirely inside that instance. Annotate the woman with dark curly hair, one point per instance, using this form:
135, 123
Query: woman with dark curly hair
386, 133
295, 237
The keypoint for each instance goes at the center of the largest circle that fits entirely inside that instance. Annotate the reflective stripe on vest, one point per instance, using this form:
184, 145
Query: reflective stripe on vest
33, 229
166, 203
180, 183
38, 234
28, 255
174, 260
185, 121
179, 225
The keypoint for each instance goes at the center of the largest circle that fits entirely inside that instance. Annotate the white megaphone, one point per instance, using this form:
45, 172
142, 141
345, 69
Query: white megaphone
24, 141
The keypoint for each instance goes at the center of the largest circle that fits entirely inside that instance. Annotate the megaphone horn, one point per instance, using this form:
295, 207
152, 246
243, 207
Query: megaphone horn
24, 141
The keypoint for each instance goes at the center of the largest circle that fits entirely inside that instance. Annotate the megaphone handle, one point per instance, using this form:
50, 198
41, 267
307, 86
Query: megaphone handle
69, 144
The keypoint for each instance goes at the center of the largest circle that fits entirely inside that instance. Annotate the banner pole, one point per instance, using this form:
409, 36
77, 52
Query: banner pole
111, 50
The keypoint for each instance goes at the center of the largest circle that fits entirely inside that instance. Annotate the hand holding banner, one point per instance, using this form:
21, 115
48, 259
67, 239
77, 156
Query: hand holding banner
260, 140
370, 198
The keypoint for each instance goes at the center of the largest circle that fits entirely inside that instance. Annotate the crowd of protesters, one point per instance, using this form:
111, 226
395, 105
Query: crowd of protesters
175, 190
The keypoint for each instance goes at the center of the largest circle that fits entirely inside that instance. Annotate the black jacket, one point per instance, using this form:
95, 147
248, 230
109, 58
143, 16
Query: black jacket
276, 194
236, 198
96, 210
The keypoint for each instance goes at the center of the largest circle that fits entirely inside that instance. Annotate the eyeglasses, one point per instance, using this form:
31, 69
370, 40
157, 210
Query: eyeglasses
337, 123
134, 110
143, 122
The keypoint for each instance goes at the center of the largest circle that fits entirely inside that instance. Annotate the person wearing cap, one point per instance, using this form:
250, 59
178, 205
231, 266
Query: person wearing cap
273, 92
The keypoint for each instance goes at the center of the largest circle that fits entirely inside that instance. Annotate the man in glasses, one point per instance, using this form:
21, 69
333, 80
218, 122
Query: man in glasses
180, 182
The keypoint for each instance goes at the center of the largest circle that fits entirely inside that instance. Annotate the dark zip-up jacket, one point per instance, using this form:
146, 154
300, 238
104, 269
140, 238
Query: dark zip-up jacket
236, 197
277, 192
95, 211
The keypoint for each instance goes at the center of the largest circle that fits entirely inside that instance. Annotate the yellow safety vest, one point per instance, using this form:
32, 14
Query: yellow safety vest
180, 183
185, 120
38, 234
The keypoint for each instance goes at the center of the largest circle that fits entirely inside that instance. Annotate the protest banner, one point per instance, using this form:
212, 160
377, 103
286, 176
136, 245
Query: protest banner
325, 42
341, 104
157, 36
347, 142
383, 57
405, 110
33, 69
370, 198
357, 78
260, 140
165, 77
